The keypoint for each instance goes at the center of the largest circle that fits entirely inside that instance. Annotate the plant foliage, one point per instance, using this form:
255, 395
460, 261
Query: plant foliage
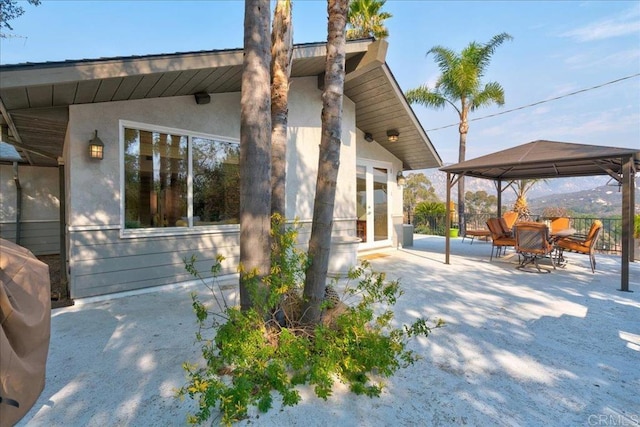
266, 349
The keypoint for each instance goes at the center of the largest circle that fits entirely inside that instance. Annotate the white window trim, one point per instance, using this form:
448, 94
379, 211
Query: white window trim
169, 231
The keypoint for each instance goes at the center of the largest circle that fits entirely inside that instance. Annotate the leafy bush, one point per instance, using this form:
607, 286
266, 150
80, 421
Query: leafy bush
423, 229
430, 218
251, 354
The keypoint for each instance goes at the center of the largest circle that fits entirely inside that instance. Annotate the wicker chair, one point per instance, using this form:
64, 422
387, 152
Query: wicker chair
499, 240
532, 242
582, 244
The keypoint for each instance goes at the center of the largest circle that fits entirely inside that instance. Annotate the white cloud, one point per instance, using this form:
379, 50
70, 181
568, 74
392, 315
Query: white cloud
621, 25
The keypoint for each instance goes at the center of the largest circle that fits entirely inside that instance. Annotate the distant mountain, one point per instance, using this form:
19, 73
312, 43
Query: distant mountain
589, 195
601, 201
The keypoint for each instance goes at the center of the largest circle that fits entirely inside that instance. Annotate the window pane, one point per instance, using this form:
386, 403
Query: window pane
380, 208
216, 182
155, 179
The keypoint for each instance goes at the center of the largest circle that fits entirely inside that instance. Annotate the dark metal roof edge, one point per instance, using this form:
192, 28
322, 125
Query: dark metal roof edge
71, 62
473, 163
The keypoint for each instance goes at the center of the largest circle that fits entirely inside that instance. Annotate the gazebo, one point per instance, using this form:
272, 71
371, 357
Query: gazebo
551, 159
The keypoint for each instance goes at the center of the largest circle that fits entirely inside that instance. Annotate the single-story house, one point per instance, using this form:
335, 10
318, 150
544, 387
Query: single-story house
128, 165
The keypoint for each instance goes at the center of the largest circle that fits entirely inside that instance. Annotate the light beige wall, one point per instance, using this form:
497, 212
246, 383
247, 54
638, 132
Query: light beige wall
99, 201
40, 217
302, 155
40, 193
103, 261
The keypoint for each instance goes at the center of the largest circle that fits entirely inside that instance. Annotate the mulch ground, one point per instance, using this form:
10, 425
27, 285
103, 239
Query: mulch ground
59, 297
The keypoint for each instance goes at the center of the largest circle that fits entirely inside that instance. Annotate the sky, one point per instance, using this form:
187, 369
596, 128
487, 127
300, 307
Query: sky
558, 48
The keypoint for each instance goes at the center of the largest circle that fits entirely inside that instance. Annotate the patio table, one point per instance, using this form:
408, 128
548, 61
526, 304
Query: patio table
559, 258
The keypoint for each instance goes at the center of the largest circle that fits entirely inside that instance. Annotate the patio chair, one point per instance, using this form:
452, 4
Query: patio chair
561, 223
510, 219
472, 234
499, 240
532, 242
504, 227
582, 244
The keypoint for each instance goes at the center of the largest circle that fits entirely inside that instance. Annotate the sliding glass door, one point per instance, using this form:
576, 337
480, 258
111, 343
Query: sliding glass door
372, 203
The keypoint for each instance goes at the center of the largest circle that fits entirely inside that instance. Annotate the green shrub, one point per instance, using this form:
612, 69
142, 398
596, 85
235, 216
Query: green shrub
250, 355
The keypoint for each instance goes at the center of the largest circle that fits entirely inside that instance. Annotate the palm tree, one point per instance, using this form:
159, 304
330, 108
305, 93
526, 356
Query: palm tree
417, 189
521, 187
255, 148
460, 86
328, 163
365, 19
281, 54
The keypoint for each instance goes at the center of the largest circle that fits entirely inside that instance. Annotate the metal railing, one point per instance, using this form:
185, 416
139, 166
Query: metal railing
610, 240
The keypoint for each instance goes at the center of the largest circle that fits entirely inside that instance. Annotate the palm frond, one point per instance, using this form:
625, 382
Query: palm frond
423, 95
492, 93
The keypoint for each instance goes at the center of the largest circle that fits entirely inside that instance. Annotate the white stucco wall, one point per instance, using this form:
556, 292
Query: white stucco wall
97, 203
102, 260
302, 156
40, 193
39, 228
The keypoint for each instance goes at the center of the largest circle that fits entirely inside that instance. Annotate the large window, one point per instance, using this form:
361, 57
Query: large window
173, 179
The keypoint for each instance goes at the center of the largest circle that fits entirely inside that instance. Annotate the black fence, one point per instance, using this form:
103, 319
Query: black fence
610, 240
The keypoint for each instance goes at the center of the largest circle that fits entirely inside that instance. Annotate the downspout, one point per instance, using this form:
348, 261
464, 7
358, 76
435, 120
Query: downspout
64, 282
16, 179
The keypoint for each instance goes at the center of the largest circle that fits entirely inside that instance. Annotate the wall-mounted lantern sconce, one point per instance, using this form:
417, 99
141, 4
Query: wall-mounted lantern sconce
96, 147
368, 137
400, 179
202, 98
393, 135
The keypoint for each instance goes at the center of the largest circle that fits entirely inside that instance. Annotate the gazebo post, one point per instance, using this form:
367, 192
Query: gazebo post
627, 220
499, 188
632, 205
447, 245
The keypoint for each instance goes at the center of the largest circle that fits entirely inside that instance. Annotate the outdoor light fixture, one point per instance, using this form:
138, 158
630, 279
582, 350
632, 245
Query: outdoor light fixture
96, 147
202, 98
392, 135
368, 137
400, 179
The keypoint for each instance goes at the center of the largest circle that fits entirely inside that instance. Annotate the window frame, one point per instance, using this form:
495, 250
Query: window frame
168, 231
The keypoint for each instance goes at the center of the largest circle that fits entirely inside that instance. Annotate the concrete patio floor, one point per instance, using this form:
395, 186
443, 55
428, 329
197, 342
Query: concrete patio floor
519, 349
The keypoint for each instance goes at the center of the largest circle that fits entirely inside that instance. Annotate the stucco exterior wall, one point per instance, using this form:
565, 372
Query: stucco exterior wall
39, 219
102, 260
40, 193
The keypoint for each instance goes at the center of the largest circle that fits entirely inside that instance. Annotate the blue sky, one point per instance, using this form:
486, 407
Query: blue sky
559, 47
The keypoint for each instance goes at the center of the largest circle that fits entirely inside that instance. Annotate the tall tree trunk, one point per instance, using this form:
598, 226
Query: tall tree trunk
328, 162
462, 150
255, 148
281, 54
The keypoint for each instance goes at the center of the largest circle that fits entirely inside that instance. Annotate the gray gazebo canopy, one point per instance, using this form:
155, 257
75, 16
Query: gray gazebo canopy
550, 159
